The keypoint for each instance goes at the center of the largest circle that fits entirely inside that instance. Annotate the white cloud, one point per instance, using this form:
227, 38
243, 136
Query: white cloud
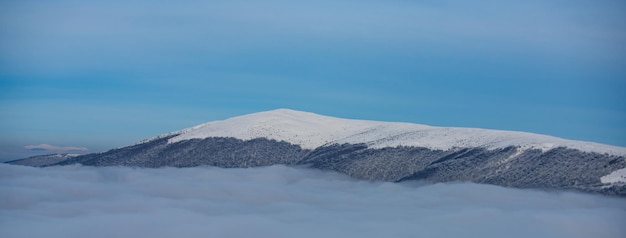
278, 201
47, 147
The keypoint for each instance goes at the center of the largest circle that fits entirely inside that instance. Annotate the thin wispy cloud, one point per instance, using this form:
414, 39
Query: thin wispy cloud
53, 148
279, 201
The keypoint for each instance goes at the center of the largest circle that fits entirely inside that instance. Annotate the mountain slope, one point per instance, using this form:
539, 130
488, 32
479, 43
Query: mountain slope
382, 151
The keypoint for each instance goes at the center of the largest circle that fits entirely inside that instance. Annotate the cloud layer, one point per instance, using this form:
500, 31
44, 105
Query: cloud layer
279, 201
47, 147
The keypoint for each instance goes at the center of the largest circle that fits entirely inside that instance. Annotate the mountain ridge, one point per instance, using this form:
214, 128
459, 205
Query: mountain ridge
377, 151
310, 130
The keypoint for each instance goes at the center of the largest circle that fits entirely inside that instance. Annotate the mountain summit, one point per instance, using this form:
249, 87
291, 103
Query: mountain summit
310, 131
381, 151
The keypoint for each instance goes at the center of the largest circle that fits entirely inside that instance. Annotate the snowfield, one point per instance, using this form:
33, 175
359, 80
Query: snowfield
618, 176
310, 131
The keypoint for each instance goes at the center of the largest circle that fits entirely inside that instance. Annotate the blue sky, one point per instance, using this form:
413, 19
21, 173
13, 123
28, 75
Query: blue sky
104, 74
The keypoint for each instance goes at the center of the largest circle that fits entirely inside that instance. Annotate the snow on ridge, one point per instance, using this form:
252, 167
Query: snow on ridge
310, 131
302, 128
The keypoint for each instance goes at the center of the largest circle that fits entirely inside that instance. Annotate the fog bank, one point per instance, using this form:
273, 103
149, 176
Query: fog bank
279, 201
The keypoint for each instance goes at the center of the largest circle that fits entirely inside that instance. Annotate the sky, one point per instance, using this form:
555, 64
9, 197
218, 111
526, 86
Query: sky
87, 76
279, 201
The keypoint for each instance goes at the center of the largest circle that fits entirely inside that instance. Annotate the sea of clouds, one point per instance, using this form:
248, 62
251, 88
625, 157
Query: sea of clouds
279, 201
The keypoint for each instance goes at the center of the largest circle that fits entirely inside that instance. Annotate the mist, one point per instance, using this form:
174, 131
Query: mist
279, 201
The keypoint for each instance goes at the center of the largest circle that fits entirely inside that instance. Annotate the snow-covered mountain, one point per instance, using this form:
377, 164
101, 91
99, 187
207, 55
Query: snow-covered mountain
310, 131
374, 150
